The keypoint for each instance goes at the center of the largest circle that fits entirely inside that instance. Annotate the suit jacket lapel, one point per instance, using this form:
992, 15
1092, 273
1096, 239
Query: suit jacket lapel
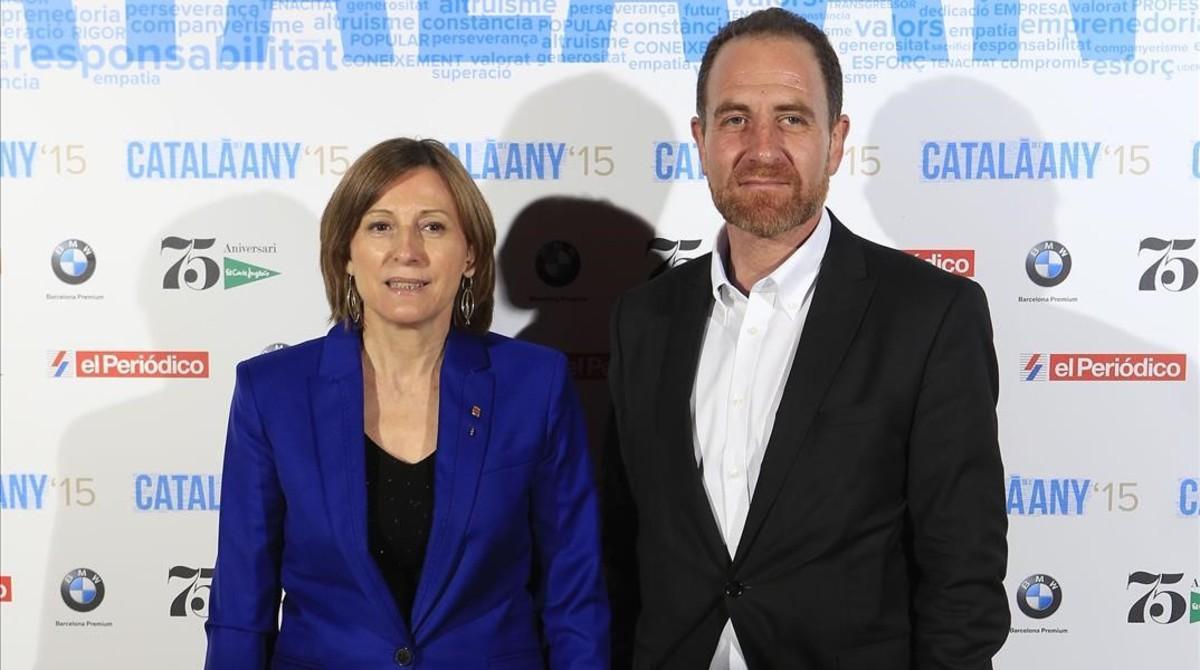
466, 384
842, 293
336, 397
685, 335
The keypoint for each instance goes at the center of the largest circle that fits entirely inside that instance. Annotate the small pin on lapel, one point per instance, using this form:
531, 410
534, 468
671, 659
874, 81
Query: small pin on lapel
476, 412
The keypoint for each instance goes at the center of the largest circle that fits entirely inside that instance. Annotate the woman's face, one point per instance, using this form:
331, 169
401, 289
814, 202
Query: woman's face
410, 253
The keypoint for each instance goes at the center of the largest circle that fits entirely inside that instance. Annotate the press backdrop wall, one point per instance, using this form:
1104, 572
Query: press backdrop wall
165, 164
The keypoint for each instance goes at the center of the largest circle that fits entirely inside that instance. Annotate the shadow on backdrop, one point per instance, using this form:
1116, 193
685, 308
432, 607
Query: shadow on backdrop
567, 257
1145, 432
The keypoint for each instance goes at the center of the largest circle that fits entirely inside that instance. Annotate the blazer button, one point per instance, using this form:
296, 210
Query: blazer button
403, 657
734, 588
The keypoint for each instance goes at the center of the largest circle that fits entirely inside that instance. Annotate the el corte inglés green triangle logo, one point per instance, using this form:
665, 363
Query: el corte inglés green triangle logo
238, 273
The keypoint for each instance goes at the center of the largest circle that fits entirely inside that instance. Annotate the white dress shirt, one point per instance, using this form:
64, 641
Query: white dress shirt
749, 344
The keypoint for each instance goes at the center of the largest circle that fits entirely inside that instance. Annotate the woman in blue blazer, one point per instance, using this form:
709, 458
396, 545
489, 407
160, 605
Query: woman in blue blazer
418, 488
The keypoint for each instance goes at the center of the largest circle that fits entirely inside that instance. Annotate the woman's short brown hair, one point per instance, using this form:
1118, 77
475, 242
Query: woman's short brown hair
365, 183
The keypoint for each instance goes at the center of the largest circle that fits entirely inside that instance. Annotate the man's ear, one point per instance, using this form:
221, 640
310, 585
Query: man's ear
698, 136
837, 143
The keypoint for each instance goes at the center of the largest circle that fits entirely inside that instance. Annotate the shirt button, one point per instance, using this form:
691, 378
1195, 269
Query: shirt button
753, 330
734, 471
403, 657
734, 588
737, 402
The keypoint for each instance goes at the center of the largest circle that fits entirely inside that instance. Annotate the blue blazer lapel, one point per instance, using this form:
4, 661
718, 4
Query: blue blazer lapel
336, 397
466, 384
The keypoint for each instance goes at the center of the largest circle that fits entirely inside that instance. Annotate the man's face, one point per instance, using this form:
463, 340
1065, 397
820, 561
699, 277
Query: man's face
765, 141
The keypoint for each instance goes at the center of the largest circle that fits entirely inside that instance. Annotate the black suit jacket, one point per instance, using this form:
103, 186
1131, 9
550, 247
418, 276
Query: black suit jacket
875, 539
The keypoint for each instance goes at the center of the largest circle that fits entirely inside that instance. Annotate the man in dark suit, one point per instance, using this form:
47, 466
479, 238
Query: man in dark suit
808, 473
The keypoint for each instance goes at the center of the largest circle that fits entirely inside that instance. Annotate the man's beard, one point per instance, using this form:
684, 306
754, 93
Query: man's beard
763, 214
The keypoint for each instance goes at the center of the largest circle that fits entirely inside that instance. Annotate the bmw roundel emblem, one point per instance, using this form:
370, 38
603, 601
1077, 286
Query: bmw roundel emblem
1039, 596
82, 590
73, 261
1048, 263
557, 263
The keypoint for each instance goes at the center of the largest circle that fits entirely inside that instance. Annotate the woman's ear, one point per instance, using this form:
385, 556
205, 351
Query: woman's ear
469, 270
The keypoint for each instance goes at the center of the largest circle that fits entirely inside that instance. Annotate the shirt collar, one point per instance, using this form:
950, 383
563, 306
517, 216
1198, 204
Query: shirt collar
788, 285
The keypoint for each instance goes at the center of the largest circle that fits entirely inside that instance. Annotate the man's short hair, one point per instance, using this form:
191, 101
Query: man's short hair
776, 22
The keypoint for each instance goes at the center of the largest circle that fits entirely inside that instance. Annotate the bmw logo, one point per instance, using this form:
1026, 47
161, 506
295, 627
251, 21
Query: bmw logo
73, 261
82, 590
1039, 596
1048, 263
557, 263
